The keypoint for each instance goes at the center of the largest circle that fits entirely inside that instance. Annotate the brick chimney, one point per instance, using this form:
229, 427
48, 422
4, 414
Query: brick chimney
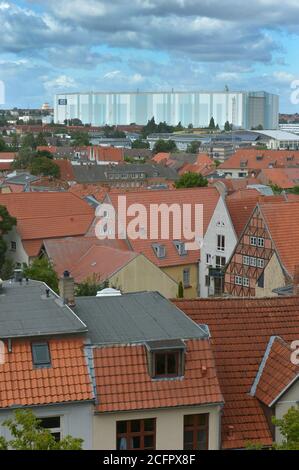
296, 281
67, 289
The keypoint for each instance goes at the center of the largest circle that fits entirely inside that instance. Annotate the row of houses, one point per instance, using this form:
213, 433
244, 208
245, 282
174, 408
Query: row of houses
137, 371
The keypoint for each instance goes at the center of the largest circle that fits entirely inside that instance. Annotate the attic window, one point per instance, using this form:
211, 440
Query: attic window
166, 358
159, 250
181, 248
41, 355
259, 157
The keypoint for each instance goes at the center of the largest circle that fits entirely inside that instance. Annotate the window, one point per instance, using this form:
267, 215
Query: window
160, 251
196, 432
139, 434
253, 241
260, 263
208, 258
261, 280
252, 261
13, 246
261, 242
238, 280
220, 242
53, 424
180, 246
41, 355
186, 277
166, 364
245, 282
208, 281
246, 260
220, 261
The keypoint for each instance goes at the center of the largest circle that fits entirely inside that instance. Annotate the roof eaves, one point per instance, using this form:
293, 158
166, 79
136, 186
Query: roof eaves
284, 390
262, 365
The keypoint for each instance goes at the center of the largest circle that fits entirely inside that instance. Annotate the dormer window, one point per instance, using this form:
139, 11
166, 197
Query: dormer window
160, 250
181, 248
166, 358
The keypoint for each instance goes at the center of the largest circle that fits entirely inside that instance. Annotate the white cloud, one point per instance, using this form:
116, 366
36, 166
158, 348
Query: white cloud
63, 82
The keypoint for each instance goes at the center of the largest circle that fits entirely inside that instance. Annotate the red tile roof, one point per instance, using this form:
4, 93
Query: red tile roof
66, 381
108, 154
5, 166
282, 220
9, 156
278, 158
285, 178
83, 190
203, 165
124, 384
208, 197
240, 331
161, 157
45, 148
241, 209
66, 170
48, 214
276, 372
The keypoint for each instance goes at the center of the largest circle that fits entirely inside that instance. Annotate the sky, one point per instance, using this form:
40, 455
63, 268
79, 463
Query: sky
53, 46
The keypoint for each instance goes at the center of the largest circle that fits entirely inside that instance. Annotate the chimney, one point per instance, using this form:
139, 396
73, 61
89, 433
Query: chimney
296, 281
67, 289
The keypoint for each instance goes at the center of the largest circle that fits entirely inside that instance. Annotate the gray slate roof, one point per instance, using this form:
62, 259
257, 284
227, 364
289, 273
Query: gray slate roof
26, 311
135, 318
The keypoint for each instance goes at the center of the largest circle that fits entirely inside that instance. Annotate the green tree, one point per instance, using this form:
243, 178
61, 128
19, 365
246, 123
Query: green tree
191, 180
212, 125
7, 269
294, 190
40, 140
42, 270
45, 167
289, 429
276, 189
181, 291
28, 434
15, 142
3, 146
140, 144
44, 153
91, 286
165, 146
80, 139
193, 147
29, 141
7, 222
228, 127
24, 158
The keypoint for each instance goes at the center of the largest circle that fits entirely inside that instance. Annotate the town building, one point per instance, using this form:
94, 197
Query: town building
251, 341
43, 364
242, 109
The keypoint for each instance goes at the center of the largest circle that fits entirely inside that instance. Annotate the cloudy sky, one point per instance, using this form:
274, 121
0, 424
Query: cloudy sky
50, 46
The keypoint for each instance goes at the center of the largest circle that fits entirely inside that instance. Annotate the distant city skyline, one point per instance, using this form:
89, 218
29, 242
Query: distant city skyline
150, 45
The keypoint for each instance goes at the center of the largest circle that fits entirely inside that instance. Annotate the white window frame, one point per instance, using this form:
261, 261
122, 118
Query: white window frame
261, 242
246, 260
186, 276
260, 263
253, 241
245, 282
220, 245
54, 430
238, 281
252, 261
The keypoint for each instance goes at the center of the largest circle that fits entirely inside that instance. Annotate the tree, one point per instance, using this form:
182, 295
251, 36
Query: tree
193, 147
42, 270
45, 167
276, 189
91, 286
7, 269
7, 222
140, 144
28, 434
228, 127
181, 291
23, 159
289, 429
15, 142
212, 124
164, 146
80, 139
3, 146
29, 141
44, 153
40, 140
191, 180
294, 190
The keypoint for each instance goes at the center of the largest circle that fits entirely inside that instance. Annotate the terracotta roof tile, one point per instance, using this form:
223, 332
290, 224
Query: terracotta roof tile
123, 382
276, 373
208, 197
278, 158
240, 331
22, 384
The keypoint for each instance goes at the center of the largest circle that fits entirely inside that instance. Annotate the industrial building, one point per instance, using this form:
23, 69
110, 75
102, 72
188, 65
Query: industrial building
243, 109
